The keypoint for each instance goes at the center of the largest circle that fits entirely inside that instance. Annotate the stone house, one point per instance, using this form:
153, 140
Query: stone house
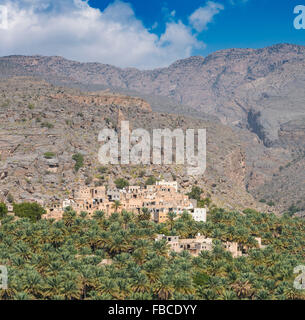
193, 246
159, 199
199, 214
173, 184
113, 194
234, 248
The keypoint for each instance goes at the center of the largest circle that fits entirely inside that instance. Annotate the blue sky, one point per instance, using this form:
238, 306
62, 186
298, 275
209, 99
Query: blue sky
144, 34
246, 23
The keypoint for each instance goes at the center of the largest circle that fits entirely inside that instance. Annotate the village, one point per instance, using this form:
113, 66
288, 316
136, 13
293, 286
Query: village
159, 200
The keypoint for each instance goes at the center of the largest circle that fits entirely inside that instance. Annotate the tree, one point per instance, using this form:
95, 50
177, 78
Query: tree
242, 289
205, 202
116, 205
121, 183
171, 216
3, 210
33, 211
69, 216
79, 161
117, 257
140, 283
151, 181
144, 215
164, 288
195, 193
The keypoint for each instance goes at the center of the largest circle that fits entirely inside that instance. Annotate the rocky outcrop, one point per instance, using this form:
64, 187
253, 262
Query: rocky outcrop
104, 99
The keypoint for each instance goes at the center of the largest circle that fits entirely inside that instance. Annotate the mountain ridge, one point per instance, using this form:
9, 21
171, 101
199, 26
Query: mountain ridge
257, 92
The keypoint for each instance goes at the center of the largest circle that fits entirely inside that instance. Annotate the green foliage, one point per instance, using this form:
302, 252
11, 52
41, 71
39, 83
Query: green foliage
49, 155
116, 205
151, 181
32, 211
3, 210
121, 183
141, 174
47, 125
79, 161
145, 215
204, 203
102, 170
10, 198
294, 209
195, 193
201, 279
66, 259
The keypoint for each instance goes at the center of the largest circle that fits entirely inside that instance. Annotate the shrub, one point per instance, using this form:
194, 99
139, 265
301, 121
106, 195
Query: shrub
47, 125
121, 183
49, 155
3, 210
142, 174
102, 170
10, 198
195, 193
151, 181
79, 161
205, 202
33, 211
294, 209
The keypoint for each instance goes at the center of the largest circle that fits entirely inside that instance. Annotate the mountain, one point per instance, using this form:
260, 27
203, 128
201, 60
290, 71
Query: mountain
42, 126
259, 94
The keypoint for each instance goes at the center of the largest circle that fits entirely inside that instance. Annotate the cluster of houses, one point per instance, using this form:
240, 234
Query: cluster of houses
201, 243
158, 199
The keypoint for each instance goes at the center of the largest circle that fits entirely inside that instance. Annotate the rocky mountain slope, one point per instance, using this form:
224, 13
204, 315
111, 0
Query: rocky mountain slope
240, 86
258, 93
43, 126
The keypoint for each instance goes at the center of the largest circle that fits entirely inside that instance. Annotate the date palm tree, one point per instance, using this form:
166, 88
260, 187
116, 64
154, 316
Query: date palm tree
163, 288
116, 205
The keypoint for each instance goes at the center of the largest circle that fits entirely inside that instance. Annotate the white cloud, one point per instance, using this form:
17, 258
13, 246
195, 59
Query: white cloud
73, 29
173, 13
204, 15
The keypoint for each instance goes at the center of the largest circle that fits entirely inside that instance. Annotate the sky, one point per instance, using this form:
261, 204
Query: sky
141, 33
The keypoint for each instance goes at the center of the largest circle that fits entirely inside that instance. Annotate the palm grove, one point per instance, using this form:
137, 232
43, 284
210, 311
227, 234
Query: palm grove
65, 259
